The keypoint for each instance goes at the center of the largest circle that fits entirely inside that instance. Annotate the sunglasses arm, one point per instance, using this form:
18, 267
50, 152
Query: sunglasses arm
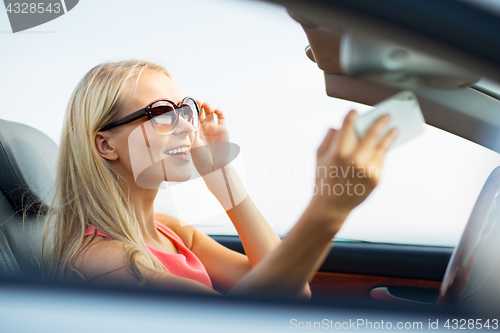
128, 119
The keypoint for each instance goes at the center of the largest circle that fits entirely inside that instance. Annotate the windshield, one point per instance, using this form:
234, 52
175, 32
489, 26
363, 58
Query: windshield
248, 59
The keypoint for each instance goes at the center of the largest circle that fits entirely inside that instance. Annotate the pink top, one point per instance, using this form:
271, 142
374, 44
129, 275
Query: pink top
184, 264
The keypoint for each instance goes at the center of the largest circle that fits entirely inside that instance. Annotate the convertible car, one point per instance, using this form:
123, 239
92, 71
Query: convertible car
448, 53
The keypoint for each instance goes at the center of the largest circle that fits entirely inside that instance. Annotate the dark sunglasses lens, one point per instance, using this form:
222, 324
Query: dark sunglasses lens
164, 117
190, 112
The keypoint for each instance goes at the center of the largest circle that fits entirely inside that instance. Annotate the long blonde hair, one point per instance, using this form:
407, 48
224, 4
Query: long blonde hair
87, 191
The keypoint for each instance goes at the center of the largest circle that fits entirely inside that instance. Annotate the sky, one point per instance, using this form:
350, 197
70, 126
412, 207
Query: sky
246, 57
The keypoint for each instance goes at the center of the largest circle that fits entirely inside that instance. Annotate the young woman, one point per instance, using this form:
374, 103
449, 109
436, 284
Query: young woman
126, 130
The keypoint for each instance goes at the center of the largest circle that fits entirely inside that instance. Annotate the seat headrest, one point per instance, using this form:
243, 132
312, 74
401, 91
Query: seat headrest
27, 166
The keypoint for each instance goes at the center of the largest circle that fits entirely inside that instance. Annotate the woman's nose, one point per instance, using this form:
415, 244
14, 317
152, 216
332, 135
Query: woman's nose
183, 126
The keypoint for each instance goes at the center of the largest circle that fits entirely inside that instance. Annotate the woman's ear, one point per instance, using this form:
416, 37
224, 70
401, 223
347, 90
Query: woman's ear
105, 147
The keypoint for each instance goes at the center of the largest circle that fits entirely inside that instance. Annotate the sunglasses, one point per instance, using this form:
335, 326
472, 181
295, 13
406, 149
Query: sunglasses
164, 115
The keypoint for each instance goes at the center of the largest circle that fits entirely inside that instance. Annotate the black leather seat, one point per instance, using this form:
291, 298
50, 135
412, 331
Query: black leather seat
27, 174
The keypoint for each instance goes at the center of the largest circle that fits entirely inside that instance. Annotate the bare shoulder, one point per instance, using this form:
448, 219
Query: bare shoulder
105, 259
184, 231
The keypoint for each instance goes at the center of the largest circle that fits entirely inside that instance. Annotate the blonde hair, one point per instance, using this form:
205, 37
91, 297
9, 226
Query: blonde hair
87, 191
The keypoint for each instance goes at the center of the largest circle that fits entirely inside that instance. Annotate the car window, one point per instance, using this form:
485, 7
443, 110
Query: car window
248, 59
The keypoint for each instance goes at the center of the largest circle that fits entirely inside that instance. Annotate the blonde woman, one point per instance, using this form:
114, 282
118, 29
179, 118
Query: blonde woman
103, 228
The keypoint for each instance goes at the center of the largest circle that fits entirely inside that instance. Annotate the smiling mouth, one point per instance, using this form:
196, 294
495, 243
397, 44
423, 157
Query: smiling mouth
179, 151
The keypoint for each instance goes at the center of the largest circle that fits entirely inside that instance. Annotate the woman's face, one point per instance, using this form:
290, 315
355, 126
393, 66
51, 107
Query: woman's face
142, 151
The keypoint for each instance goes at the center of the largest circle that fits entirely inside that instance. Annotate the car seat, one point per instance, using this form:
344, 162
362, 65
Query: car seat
27, 177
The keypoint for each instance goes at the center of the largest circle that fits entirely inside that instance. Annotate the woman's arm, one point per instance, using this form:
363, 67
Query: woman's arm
285, 269
224, 266
256, 235
303, 250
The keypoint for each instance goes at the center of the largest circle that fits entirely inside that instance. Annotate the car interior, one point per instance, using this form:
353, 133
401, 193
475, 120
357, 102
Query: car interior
375, 273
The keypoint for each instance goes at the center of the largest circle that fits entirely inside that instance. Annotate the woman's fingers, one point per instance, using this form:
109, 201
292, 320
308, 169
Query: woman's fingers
340, 149
209, 113
323, 147
348, 138
385, 144
370, 140
374, 131
202, 111
202, 115
220, 116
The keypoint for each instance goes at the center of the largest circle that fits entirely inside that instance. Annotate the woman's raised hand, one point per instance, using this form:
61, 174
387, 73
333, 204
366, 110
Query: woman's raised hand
348, 168
211, 141
213, 132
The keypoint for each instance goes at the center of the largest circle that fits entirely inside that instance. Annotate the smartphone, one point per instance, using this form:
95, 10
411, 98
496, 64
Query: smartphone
405, 113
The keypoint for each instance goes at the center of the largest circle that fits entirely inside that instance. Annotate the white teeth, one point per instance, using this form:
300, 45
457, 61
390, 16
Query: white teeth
176, 151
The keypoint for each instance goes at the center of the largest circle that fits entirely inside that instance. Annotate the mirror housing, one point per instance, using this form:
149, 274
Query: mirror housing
385, 62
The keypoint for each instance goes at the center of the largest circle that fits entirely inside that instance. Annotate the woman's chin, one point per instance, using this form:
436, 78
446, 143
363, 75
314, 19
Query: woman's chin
156, 182
153, 176
179, 178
